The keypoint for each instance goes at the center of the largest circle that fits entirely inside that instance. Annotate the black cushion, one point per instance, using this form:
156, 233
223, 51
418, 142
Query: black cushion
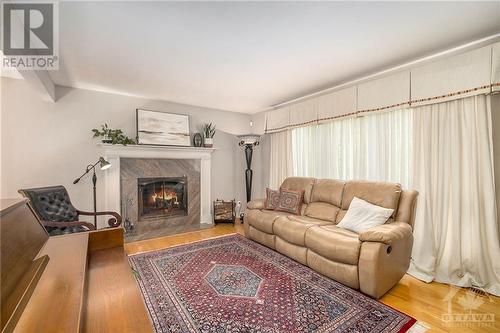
64, 231
52, 203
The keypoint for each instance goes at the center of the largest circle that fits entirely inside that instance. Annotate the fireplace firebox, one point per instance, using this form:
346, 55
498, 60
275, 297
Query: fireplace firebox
162, 197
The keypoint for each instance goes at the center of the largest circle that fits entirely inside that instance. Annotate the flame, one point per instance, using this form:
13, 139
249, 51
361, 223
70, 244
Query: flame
169, 195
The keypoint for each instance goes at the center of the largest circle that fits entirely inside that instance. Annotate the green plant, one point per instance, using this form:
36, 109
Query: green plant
113, 136
209, 130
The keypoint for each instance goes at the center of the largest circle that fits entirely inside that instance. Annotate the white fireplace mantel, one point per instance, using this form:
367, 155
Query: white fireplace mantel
113, 154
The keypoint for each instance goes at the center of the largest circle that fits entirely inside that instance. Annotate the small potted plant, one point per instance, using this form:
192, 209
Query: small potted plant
113, 136
208, 133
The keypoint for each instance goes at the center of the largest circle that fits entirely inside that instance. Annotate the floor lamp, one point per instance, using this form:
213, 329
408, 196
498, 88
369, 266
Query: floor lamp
91, 167
248, 141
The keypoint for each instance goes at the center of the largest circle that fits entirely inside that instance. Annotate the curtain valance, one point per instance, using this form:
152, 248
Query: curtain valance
304, 113
467, 74
337, 104
278, 120
324, 108
459, 76
384, 94
495, 70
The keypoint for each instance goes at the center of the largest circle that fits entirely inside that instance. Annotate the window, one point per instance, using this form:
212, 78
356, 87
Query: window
375, 147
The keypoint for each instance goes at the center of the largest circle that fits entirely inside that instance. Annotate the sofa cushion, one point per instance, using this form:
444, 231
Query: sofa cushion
272, 199
363, 215
340, 215
300, 184
296, 252
322, 210
328, 191
263, 220
307, 219
293, 228
262, 237
334, 243
256, 204
343, 273
378, 193
290, 201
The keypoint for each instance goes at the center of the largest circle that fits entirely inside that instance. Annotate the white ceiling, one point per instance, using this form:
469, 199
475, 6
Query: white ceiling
246, 56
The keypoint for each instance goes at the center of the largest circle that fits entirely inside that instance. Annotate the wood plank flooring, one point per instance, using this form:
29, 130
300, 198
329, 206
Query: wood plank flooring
427, 302
114, 302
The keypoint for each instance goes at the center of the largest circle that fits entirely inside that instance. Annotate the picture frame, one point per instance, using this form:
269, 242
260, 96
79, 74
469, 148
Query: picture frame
162, 128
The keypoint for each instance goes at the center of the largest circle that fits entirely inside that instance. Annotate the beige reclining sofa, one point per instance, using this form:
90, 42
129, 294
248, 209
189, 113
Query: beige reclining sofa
372, 261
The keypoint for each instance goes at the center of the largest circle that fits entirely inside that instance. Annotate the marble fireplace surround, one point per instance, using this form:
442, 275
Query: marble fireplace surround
112, 176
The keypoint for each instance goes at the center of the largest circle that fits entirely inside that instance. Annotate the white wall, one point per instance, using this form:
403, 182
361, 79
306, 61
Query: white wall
46, 143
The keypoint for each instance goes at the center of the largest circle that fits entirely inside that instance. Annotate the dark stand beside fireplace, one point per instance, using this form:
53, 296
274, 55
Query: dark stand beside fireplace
162, 197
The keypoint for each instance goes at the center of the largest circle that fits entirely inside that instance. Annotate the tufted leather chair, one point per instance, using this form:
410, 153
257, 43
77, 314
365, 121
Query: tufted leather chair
53, 207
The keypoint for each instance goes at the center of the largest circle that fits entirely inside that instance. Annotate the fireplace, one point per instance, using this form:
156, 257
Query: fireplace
162, 197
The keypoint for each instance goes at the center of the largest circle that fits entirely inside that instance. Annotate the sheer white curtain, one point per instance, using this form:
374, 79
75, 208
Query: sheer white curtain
445, 152
386, 146
376, 146
326, 150
281, 158
456, 233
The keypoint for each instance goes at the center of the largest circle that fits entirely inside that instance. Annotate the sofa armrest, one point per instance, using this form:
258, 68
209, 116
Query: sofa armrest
256, 204
386, 233
381, 266
384, 257
406, 207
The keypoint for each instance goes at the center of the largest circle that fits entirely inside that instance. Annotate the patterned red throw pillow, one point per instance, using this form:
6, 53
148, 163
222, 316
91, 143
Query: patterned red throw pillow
272, 199
290, 201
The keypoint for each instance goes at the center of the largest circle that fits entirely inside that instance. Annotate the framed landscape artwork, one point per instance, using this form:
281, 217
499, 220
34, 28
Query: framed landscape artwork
162, 128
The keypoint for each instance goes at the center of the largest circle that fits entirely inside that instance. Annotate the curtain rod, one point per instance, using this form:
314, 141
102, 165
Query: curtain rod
457, 49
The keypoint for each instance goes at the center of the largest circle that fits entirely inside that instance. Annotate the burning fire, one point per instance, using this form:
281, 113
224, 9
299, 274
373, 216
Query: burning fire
167, 195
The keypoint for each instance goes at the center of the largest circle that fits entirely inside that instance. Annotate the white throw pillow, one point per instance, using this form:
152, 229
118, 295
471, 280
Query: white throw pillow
363, 215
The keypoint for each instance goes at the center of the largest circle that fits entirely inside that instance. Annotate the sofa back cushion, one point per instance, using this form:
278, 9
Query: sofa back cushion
329, 191
326, 198
300, 184
378, 193
322, 211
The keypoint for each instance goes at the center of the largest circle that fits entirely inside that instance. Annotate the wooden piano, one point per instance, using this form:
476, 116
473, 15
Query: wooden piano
79, 282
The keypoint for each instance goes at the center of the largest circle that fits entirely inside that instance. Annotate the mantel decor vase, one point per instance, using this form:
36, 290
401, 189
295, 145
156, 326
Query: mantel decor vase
208, 142
208, 133
107, 139
197, 140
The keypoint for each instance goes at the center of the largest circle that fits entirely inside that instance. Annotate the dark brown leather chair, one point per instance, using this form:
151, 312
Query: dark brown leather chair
56, 212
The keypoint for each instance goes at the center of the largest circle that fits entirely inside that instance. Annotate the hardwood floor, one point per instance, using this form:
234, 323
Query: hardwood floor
114, 302
427, 302
188, 237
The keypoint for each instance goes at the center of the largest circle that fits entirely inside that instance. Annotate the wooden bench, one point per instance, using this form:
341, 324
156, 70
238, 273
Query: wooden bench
71, 283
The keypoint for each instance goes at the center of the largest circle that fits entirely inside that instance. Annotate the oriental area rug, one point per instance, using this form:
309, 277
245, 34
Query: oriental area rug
232, 284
